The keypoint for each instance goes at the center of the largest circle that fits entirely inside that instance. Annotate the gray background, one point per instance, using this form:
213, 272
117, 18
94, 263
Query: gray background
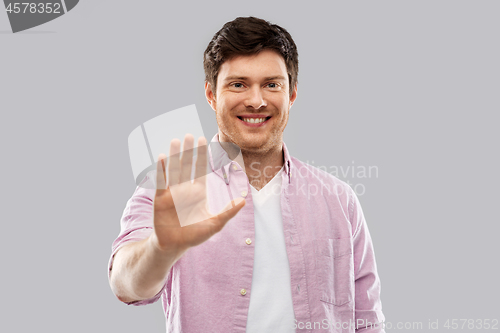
411, 87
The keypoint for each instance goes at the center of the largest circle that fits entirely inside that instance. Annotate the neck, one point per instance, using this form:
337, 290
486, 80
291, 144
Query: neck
262, 167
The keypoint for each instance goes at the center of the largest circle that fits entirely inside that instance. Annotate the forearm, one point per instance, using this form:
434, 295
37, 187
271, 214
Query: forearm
139, 270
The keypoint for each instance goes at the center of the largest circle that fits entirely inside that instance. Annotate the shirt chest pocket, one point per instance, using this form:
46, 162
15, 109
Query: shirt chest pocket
335, 270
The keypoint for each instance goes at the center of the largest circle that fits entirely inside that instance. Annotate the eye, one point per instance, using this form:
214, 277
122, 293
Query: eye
273, 85
237, 85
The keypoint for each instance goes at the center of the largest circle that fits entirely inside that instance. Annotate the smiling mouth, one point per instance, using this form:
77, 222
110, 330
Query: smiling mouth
254, 120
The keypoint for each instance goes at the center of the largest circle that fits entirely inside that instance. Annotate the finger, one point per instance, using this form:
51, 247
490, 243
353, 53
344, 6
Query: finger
201, 160
173, 163
187, 159
161, 183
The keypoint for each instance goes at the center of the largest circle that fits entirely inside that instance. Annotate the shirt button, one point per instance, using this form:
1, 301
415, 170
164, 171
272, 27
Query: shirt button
235, 167
248, 241
243, 292
244, 194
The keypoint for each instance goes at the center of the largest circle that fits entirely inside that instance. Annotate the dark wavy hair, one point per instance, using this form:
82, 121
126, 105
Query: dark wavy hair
248, 36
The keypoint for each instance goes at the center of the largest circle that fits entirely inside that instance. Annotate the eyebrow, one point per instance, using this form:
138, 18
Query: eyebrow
235, 77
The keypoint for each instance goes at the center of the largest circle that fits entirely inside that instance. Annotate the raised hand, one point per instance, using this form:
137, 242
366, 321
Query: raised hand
181, 215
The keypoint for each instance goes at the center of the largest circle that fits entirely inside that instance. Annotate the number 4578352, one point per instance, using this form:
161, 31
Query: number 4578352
29, 7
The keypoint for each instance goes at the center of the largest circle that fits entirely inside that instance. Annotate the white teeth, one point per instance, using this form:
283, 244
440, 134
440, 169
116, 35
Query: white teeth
254, 120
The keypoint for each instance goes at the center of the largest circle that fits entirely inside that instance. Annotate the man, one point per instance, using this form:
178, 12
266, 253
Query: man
297, 258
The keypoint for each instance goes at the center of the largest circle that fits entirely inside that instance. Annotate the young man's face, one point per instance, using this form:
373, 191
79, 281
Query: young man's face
252, 101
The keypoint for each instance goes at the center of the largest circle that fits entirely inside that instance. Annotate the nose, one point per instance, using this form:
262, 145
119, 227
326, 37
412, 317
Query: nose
254, 98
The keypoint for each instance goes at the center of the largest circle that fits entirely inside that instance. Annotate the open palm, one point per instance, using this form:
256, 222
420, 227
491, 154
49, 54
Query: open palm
181, 215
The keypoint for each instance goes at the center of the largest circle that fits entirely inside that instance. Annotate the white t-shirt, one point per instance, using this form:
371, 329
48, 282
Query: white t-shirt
271, 307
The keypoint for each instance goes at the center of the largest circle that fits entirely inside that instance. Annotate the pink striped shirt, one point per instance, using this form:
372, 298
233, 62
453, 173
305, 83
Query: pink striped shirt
335, 285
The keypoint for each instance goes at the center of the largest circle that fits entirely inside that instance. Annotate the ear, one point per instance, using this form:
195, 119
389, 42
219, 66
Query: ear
294, 95
209, 94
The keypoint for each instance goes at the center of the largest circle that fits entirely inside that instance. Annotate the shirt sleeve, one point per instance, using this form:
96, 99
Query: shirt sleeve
137, 224
368, 307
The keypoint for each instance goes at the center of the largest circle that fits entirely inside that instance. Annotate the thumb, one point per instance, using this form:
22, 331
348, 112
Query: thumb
230, 211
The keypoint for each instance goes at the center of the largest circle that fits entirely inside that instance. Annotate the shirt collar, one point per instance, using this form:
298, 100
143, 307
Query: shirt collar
220, 162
